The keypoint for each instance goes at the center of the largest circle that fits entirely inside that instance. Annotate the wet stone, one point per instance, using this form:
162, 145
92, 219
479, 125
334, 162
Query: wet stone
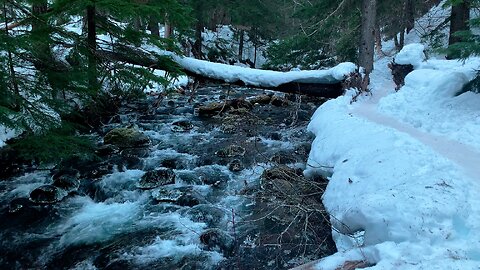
260, 99
106, 150
67, 182
209, 214
182, 126
235, 165
279, 101
167, 195
189, 178
126, 138
283, 157
129, 162
275, 136
231, 151
18, 205
46, 194
157, 178
213, 177
216, 239
190, 198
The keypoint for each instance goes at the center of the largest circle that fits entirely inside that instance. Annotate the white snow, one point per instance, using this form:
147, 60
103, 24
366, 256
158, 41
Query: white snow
412, 54
5, 134
404, 191
265, 78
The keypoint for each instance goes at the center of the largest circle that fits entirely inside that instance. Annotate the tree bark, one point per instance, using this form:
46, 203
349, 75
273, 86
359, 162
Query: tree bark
409, 15
367, 38
459, 18
401, 41
153, 26
378, 39
240, 45
197, 46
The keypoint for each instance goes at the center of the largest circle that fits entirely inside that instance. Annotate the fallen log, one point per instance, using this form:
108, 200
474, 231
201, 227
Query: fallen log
318, 83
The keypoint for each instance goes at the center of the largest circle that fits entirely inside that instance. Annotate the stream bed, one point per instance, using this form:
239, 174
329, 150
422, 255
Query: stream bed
233, 195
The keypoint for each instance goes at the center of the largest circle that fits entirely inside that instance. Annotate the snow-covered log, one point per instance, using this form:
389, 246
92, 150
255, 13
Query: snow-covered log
321, 83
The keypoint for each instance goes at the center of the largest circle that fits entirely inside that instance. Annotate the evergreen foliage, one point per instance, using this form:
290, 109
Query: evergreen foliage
328, 32
54, 145
50, 65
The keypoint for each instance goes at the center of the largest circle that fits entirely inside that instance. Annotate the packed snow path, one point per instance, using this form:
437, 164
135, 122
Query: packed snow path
404, 191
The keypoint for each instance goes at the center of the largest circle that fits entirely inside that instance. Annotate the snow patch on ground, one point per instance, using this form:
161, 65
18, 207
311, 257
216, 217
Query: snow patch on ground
404, 191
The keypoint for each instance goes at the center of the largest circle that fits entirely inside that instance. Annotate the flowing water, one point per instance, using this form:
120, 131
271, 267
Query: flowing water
108, 222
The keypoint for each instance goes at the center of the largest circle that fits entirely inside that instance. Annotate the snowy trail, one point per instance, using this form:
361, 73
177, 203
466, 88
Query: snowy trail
461, 154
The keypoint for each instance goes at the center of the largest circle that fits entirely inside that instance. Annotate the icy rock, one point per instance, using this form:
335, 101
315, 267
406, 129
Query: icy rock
157, 178
235, 165
279, 101
182, 126
260, 99
46, 194
216, 239
126, 138
283, 157
191, 198
66, 181
167, 195
106, 150
231, 151
209, 214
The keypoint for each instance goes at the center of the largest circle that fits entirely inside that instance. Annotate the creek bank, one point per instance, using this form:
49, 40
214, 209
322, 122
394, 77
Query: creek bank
180, 190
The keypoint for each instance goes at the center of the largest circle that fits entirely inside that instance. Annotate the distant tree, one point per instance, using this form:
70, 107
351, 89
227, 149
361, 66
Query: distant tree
367, 37
459, 22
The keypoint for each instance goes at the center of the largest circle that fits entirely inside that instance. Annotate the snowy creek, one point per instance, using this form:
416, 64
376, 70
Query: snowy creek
238, 201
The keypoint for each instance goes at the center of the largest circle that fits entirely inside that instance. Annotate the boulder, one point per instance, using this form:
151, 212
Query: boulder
209, 214
66, 180
182, 126
157, 178
216, 239
47, 194
231, 151
235, 165
126, 138
191, 198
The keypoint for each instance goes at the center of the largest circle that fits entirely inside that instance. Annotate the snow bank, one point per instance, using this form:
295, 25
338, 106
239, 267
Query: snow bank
264, 78
412, 54
404, 190
5, 134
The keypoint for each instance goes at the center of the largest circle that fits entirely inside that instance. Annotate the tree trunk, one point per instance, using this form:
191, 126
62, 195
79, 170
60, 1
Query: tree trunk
197, 46
240, 45
168, 30
153, 26
92, 47
378, 39
409, 15
401, 42
367, 38
459, 18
